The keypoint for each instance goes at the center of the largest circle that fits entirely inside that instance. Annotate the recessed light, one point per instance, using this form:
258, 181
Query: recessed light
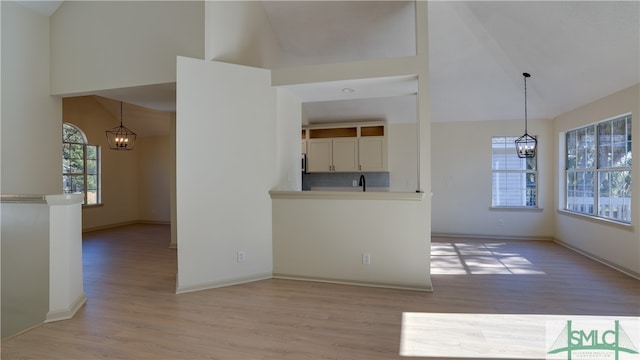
348, 90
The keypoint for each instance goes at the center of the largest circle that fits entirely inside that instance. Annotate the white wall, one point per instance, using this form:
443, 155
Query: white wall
402, 142
25, 265
288, 141
31, 118
616, 245
324, 239
154, 178
225, 166
239, 32
66, 290
99, 45
172, 180
461, 176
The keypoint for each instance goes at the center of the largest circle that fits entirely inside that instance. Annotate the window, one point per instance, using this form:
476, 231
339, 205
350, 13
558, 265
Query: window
515, 180
598, 169
80, 165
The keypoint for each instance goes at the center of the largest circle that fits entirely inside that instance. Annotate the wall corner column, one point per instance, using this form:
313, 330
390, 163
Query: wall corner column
66, 292
424, 123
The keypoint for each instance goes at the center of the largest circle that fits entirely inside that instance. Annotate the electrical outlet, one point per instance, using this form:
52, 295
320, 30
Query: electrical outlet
366, 258
241, 256
500, 222
354, 183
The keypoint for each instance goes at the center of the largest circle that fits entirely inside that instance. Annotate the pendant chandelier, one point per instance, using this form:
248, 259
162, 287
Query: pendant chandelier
526, 144
121, 138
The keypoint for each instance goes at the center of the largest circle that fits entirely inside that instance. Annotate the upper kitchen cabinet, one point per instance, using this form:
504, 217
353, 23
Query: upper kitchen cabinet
303, 143
372, 148
347, 148
332, 149
345, 155
319, 155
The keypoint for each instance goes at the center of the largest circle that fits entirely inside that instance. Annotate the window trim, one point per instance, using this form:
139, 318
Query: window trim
516, 208
535, 171
595, 219
562, 207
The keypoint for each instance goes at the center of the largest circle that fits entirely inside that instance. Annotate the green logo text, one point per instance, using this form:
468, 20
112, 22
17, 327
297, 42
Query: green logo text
571, 340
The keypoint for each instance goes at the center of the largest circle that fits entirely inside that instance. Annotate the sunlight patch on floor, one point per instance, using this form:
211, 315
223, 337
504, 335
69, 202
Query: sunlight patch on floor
512, 336
459, 258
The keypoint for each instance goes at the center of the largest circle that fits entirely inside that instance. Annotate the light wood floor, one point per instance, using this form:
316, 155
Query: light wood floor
133, 312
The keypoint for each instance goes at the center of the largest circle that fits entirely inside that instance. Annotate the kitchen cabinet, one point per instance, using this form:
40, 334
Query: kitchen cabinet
303, 148
332, 155
345, 154
346, 147
372, 153
372, 148
319, 155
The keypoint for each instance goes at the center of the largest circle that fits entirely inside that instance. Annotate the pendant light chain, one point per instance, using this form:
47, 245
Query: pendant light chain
525, 102
526, 145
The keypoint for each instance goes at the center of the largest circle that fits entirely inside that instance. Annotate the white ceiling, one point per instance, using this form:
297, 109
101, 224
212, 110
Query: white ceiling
576, 52
325, 32
143, 121
389, 98
46, 8
161, 97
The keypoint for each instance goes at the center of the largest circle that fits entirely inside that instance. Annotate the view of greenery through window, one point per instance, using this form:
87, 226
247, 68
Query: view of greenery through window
80, 165
598, 169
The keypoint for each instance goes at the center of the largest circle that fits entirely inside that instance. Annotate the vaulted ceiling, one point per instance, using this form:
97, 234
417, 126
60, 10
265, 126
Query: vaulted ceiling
576, 51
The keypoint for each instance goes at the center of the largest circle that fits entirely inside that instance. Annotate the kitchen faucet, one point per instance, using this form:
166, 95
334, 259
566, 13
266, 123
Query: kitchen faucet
362, 183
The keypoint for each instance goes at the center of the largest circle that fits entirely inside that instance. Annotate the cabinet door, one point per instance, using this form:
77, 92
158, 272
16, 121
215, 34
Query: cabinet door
345, 154
373, 153
319, 155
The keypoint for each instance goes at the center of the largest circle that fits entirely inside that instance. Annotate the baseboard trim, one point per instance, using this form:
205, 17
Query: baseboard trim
126, 223
66, 314
602, 261
266, 276
218, 284
154, 222
413, 287
22, 332
110, 226
489, 236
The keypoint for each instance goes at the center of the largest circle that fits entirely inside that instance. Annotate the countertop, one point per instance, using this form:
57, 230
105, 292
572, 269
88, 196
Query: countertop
342, 194
349, 188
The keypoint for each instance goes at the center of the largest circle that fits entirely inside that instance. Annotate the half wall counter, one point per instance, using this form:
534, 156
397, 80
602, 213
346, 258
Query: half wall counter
373, 238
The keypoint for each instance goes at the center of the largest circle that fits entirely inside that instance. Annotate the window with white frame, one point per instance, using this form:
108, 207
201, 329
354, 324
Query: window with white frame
598, 169
80, 165
515, 180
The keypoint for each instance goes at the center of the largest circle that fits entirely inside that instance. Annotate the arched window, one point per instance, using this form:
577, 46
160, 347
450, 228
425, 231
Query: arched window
80, 165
